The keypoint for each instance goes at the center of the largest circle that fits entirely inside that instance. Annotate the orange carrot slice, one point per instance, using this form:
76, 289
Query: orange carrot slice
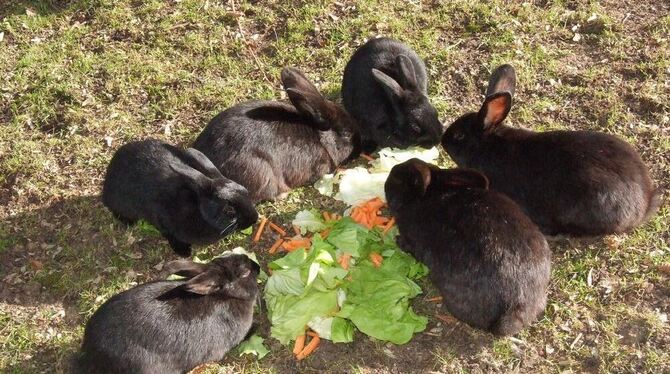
309, 348
376, 259
326, 216
278, 229
299, 344
344, 261
296, 229
261, 227
435, 299
275, 246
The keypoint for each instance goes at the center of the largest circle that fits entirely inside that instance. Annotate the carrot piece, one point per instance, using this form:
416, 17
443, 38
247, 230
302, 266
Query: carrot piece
309, 348
435, 299
296, 229
375, 204
324, 234
278, 229
344, 261
376, 259
335, 217
326, 216
312, 334
389, 225
445, 319
261, 227
294, 244
275, 246
367, 156
299, 344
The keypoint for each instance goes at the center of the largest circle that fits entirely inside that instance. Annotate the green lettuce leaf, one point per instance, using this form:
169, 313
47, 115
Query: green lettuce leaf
253, 345
290, 314
309, 221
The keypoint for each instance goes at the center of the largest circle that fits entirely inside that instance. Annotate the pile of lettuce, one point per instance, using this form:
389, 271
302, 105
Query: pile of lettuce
359, 184
309, 288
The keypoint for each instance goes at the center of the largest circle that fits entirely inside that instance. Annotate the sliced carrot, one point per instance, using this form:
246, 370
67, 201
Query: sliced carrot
294, 244
312, 333
376, 259
326, 216
296, 229
261, 227
309, 348
335, 217
299, 344
367, 156
275, 246
278, 229
445, 319
344, 261
435, 299
324, 234
389, 225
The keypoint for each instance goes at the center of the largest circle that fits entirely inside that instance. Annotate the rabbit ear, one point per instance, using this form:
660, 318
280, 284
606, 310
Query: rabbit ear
406, 72
421, 174
184, 268
502, 79
467, 178
295, 79
203, 284
193, 178
203, 161
392, 88
312, 106
495, 110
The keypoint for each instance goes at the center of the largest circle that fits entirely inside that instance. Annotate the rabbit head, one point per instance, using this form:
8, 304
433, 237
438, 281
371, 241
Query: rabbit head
324, 114
416, 119
415, 179
223, 203
233, 276
465, 136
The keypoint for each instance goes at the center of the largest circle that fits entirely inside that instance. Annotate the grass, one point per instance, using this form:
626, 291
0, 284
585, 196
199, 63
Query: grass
81, 77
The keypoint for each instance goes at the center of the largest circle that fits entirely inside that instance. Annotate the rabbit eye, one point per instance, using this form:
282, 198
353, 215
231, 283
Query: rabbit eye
415, 128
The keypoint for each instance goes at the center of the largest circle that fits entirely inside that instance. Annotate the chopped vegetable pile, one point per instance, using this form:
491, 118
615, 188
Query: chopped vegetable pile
342, 274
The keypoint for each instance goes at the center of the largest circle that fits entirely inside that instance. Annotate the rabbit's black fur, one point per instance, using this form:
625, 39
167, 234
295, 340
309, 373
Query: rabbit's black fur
385, 89
179, 192
488, 259
173, 326
271, 147
568, 182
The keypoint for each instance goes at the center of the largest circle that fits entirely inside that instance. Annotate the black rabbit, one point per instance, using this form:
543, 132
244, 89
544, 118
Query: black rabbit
173, 326
270, 147
488, 259
180, 192
384, 88
568, 182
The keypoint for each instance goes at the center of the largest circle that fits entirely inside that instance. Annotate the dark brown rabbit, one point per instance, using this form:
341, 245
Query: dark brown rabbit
568, 182
173, 326
271, 147
488, 259
178, 191
384, 87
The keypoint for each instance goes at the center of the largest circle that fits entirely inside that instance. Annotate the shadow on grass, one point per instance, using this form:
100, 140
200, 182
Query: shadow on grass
39, 7
69, 250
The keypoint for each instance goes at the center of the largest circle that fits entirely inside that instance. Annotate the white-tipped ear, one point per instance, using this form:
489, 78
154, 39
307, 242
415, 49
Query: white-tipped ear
389, 84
